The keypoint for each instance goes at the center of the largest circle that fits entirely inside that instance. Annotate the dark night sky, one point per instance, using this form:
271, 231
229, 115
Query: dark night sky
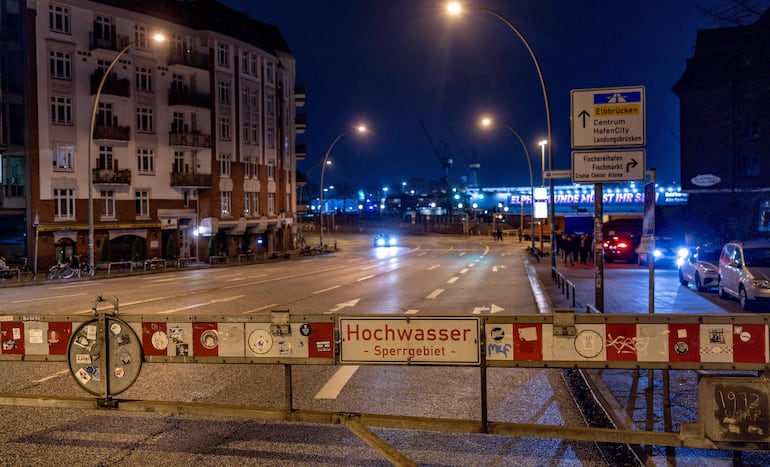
392, 63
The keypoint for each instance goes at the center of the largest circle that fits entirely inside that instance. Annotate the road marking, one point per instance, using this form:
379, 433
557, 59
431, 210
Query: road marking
435, 266
411, 312
48, 298
55, 375
452, 280
364, 278
370, 267
196, 305
72, 286
463, 270
472, 264
435, 294
462, 253
332, 388
422, 253
254, 310
325, 290
348, 304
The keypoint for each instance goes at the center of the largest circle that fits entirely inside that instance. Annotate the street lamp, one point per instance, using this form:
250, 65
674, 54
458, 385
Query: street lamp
324, 162
487, 122
542, 161
157, 38
455, 8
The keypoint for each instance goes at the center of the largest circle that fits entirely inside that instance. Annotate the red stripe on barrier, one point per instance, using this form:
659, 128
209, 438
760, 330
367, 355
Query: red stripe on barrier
12, 335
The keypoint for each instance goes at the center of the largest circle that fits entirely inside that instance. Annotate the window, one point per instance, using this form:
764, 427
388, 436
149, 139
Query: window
271, 138
63, 203
144, 79
144, 120
269, 76
177, 122
140, 36
246, 203
255, 100
59, 18
62, 157
145, 161
246, 132
142, 203
245, 97
106, 158
255, 203
108, 204
255, 66
225, 164
104, 114
177, 45
61, 110
227, 197
271, 203
245, 62
223, 54
60, 65
223, 88
179, 162
103, 28
224, 128
270, 104
271, 169
247, 167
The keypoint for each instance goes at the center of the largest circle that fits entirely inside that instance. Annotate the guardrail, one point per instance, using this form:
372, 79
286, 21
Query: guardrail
116, 347
567, 287
122, 264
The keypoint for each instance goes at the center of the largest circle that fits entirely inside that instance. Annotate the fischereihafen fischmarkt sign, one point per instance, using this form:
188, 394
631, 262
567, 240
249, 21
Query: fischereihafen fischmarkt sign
608, 120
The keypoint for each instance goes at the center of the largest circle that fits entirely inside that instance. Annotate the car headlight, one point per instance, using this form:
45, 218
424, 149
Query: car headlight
380, 241
657, 253
761, 283
392, 241
683, 252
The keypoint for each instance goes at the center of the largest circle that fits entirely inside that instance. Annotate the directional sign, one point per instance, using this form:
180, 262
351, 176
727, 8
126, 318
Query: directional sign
613, 117
607, 166
566, 173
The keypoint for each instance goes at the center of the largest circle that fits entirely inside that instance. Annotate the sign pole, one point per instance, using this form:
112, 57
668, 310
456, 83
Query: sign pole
598, 248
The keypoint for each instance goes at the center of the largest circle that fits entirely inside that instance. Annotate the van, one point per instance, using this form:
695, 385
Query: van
744, 273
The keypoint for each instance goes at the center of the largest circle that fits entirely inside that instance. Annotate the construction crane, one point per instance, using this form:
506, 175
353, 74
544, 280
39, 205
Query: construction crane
473, 164
445, 160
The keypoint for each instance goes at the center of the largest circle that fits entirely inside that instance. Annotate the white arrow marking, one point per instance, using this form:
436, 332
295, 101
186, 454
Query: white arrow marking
496, 309
477, 310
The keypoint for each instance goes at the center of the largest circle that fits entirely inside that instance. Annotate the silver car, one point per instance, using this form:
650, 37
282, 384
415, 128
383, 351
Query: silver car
744, 272
700, 267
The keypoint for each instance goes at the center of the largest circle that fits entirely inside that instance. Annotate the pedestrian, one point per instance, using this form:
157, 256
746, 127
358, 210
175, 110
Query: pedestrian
575, 247
584, 247
567, 249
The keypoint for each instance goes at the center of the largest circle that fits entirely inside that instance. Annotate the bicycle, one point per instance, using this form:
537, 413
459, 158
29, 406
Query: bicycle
20, 271
60, 270
82, 266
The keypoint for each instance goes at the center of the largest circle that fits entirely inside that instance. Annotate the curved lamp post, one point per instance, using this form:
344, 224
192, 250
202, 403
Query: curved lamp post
324, 162
455, 8
156, 38
487, 122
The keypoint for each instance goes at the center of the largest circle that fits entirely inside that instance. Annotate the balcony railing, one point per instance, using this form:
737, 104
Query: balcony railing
191, 59
112, 177
113, 86
112, 132
300, 150
109, 43
190, 180
183, 96
299, 95
300, 123
187, 139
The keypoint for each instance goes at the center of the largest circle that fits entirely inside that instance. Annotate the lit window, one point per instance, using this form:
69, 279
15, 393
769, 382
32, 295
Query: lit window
63, 157
227, 197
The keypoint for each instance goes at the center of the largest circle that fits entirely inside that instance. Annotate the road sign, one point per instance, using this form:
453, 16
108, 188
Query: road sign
613, 117
566, 173
607, 166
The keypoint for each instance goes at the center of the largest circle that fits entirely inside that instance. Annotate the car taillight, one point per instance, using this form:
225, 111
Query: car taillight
623, 245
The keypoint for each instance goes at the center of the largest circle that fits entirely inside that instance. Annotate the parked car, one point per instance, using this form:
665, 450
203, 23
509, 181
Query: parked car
701, 267
744, 273
665, 252
384, 239
620, 248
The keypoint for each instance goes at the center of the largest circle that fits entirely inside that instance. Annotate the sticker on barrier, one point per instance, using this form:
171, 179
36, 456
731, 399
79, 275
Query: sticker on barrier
105, 348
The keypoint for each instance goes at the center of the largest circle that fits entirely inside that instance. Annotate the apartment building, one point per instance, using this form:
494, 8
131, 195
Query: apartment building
725, 132
193, 145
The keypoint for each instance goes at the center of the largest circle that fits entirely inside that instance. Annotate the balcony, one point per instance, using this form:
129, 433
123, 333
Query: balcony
113, 86
192, 139
300, 123
112, 43
190, 59
183, 96
190, 180
106, 135
300, 151
112, 177
299, 95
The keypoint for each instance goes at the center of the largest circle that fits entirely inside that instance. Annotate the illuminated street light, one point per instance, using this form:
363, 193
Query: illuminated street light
157, 38
542, 161
324, 163
487, 122
454, 9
